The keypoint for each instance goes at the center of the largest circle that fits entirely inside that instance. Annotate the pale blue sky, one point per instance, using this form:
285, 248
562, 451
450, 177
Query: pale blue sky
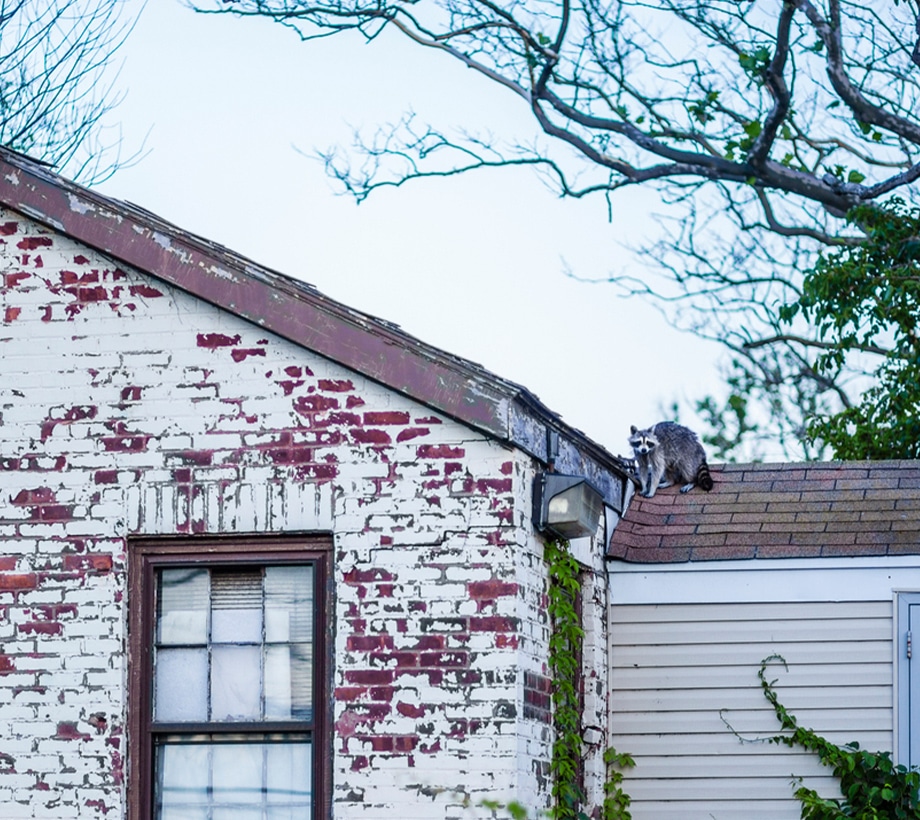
471, 264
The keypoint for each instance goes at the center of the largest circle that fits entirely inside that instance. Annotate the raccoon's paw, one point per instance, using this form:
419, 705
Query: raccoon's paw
687, 487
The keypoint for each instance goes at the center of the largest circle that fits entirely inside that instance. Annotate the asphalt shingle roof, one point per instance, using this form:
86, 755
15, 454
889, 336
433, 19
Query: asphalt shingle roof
778, 511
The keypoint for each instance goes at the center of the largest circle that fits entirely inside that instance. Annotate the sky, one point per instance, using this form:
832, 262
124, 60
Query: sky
228, 113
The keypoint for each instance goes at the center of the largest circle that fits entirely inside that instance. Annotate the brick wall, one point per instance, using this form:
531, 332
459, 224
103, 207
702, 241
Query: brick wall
129, 408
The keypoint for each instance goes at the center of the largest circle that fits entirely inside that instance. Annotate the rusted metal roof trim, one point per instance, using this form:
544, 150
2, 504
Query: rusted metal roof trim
289, 308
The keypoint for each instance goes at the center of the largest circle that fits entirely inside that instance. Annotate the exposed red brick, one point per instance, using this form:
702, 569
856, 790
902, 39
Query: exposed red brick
439, 451
12, 582
493, 623
500, 485
335, 385
38, 495
370, 436
53, 512
346, 694
444, 660
96, 562
69, 731
386, 417
404, 660
412, 432
369, 677
145, 291
410, 710
491, 589
305, 405
212, 340
366, 576
125, 444
31, 243
368, 643
12, 280
240, 354
40, 628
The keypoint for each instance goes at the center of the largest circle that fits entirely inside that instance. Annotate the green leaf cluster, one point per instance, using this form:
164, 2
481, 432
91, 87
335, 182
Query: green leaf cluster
865, 299
754, 63
616, 801
565, 649
565, 654
873, 787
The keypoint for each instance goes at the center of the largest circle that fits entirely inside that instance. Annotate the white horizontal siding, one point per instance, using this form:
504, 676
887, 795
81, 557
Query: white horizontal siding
684, 677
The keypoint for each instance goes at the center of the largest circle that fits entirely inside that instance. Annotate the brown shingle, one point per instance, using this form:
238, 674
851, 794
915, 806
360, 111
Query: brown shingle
778, 511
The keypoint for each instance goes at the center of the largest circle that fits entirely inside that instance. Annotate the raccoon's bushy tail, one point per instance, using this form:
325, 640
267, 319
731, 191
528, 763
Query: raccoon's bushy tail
703, 477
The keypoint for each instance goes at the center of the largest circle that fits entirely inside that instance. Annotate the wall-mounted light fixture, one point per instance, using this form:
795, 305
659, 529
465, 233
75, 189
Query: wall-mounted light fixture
566, 505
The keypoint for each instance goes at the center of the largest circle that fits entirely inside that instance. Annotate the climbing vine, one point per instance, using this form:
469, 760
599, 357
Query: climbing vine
873, 787
616, 801
565, 646
565, 653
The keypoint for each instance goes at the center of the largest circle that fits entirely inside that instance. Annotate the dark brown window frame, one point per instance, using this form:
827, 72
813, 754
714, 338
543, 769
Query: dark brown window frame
145, 556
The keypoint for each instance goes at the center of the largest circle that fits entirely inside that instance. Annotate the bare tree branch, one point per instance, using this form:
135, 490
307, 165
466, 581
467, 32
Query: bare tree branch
56, 84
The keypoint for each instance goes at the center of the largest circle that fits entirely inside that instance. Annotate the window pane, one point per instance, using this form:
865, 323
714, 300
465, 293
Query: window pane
302, 681
277, 683
182, 780
289, 682
288, 604
181, 685
236, 683
234, 780
289, 775
183, 813
238, 776
236, 601
183, 607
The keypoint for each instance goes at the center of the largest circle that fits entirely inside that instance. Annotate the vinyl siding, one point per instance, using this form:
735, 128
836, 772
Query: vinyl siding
684, 676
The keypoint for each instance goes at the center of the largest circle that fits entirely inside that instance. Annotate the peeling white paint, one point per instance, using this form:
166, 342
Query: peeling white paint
40, 217
79, 205
223, 273
162, 240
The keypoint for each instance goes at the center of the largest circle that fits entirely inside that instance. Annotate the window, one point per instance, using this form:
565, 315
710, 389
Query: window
227, 670
908, 665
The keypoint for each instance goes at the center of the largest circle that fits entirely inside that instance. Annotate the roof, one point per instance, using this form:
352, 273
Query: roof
778, 511
296, 311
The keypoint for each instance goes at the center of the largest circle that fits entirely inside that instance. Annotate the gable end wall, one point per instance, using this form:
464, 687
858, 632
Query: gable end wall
130, 408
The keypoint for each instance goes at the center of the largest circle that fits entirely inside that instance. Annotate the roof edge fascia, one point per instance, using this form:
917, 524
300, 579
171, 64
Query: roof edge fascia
289, 308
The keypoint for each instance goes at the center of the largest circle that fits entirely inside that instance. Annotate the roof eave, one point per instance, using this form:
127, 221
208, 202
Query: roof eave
291, 309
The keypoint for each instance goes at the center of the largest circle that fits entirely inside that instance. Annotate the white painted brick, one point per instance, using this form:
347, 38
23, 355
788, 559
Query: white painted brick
430, 532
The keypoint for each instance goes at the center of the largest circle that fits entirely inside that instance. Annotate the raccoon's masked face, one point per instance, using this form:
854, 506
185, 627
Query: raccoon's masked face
642, 442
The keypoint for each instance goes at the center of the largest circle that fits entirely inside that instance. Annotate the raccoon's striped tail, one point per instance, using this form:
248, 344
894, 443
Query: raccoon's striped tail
703, 477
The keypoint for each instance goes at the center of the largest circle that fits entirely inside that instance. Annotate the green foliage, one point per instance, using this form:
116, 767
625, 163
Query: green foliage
565, 646
565, 649
865, 300
513, 809
616, 801
729, 424
873, 787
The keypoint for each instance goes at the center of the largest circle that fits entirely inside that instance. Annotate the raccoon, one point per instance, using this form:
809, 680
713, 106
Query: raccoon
668, 452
